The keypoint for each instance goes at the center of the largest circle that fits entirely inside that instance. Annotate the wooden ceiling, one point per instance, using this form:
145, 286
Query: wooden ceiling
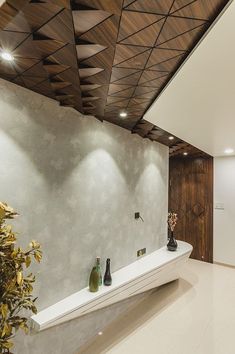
102, 57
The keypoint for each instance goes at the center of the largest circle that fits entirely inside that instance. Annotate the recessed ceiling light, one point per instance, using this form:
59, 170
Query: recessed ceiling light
7, 56
185, 153
100, 333
171, 138
228, 151
123, 114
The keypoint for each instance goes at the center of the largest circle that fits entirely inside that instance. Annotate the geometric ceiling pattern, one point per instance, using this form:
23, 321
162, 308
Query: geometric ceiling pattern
102, 57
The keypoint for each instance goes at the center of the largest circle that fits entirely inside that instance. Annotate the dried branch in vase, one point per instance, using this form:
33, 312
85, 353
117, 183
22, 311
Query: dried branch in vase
172, 220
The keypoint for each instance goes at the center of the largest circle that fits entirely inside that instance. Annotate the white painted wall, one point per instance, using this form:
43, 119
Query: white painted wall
198, 105
224, 219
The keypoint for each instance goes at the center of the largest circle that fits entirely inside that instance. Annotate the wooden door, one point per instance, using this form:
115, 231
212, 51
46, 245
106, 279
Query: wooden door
191, 197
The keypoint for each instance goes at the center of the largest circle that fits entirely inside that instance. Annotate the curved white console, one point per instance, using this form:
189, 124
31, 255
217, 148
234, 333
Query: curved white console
153, 270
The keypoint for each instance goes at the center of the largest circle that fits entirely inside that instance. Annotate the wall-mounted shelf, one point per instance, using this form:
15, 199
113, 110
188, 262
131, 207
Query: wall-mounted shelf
155, 269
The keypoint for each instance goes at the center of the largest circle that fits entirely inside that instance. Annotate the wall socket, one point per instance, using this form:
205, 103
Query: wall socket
141, 252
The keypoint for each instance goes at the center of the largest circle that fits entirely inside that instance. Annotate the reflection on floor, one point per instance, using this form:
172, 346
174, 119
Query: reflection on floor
194, 315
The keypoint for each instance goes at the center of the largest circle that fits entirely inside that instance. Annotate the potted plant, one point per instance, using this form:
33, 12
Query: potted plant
16, 287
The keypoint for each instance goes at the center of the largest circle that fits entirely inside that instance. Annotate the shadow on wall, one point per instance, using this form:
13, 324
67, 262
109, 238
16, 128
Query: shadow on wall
70, 336
135, 312
154, 303
55, 139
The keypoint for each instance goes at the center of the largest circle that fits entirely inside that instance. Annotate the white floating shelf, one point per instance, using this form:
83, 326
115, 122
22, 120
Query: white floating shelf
153, 270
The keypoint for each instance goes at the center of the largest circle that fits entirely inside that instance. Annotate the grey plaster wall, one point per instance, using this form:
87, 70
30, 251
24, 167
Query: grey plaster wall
76, 183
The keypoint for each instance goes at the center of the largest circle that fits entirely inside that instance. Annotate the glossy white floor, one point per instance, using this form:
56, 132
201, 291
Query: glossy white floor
195, 315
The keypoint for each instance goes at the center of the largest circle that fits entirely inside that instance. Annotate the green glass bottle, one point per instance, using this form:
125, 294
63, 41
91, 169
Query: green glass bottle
94, 280
98, 268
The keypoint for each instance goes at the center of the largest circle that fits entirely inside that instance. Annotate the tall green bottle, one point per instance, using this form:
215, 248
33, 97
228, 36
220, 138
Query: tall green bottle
94, 280
99, 270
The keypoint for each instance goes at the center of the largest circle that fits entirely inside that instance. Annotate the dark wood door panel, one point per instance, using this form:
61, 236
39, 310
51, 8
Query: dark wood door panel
191, 197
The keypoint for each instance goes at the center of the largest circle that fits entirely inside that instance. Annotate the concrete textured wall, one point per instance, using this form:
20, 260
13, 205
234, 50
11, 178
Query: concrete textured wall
76, 183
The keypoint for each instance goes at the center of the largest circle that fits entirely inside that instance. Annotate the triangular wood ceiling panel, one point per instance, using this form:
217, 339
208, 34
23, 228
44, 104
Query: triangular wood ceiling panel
54, 69
131, 79
200, 9
114, 7
7, 69
10, 40
70, 75
125, 52
62, 3
154, 83
149, 95
24, 64
7, 14
66, 56
102, 60
64, 20
168, 65
148, 75
132, 22
151, 6
31, 81
102, 77
85, 20
47, 46
175, 26
178, 4
111, 100
85, 51
102, 56
37, 70
137, 62
143, 90
119, 73
159, 55
125, 92
134, 103
98, 34
184, 41
87, 72
115, 88
32, 16
46, 88
28, 49
146, 36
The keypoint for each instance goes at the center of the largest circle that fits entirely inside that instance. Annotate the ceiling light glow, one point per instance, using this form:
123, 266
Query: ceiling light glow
123, 114
171, 138
228, 151
185, 153
100, 333
7, 56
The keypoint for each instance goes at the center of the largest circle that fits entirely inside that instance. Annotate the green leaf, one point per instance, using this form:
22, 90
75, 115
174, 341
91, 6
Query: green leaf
4, 310
8, 345
28, 261
37, 256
